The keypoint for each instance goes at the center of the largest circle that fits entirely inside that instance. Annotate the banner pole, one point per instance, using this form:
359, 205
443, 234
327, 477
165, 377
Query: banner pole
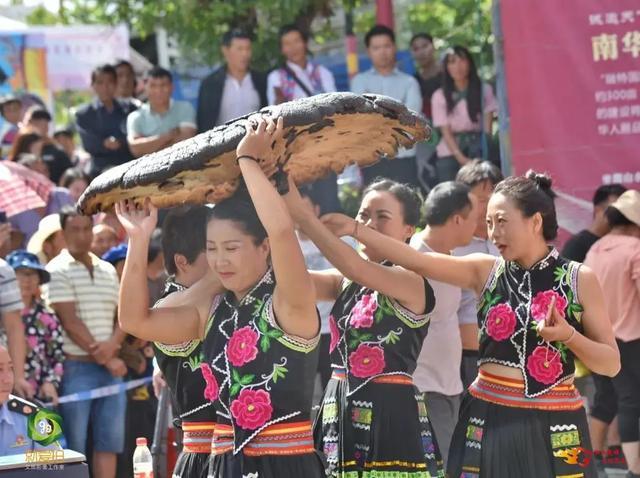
504, 119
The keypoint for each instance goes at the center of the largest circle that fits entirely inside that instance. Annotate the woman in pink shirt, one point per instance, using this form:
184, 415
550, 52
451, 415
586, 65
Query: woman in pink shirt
615, 259
463, 110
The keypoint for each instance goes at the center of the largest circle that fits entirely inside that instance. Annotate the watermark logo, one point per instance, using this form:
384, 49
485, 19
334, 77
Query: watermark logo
582, 456
574, 456
45, 427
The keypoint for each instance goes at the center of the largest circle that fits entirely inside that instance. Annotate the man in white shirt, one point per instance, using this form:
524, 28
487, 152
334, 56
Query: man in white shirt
297, 78
312, 78
481, 177
384, 78
450, 213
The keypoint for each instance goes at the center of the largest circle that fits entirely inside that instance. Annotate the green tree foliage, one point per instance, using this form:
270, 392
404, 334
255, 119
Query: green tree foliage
457, 22
198, 25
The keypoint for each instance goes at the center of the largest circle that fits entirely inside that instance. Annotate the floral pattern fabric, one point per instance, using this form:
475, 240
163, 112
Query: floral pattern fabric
515, 300
181, 367
374, 421
256, 375
373, 335
45, 358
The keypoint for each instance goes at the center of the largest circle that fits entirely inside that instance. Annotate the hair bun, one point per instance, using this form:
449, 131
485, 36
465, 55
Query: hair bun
542, 180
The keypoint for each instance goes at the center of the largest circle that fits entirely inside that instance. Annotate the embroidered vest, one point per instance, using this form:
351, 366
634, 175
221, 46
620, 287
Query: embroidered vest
180, 365
288, 84
373, 335
256, 374
513, 301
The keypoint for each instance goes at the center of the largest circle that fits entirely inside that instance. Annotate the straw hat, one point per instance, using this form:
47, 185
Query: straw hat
629, 205
48, 226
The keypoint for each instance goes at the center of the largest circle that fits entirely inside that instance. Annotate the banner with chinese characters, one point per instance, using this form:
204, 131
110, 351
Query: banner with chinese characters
72, 52
573, 86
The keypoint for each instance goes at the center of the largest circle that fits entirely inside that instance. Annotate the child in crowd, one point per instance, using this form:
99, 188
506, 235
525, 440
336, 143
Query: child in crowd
43, 367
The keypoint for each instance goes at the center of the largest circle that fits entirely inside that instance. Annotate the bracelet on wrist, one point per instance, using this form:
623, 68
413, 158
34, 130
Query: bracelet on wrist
247, 156
571, 337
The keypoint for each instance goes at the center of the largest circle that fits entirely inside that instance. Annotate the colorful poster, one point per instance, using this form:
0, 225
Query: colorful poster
72, 52
23, 64
23, 72
573, 86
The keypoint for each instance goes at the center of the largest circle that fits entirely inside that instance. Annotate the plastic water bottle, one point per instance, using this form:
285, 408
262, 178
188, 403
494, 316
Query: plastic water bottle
142, 460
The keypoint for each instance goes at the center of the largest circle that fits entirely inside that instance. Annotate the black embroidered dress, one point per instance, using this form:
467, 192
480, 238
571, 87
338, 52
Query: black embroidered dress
534, 427
374, 420
260, 381
180, 365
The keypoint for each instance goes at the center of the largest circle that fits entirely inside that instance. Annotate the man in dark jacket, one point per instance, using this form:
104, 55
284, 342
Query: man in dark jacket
102, 123
232, 90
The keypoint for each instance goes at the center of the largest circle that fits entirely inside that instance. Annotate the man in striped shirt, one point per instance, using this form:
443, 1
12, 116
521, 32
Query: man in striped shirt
83, 291
11, 327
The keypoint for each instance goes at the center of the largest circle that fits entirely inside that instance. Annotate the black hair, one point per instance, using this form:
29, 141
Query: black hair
103, 70
234, 33
22, 144
120, 63
603, 193
379, 30
71, 175
532, 194
184, 232
157, 72
445, 200
38, 113
405, 194
67, 212
293, 28
474, 90
616, 218
478, 171
423, 35
239, 209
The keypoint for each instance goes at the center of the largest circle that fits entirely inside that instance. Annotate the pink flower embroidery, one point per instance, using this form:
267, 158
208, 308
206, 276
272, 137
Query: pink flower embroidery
32, 341
48, 320
501, 322
241, 348
544, 365
58, 369
541, 302
212, 390
252, 408
335, 333
367, 361
362, 313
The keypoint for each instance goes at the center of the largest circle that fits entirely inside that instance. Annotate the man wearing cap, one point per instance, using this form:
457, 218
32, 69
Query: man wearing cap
38, 119
14, 413
48, 241
11, 111
42, 328
615, 259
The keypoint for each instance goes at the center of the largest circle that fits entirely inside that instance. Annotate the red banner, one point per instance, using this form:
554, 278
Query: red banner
573, 86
